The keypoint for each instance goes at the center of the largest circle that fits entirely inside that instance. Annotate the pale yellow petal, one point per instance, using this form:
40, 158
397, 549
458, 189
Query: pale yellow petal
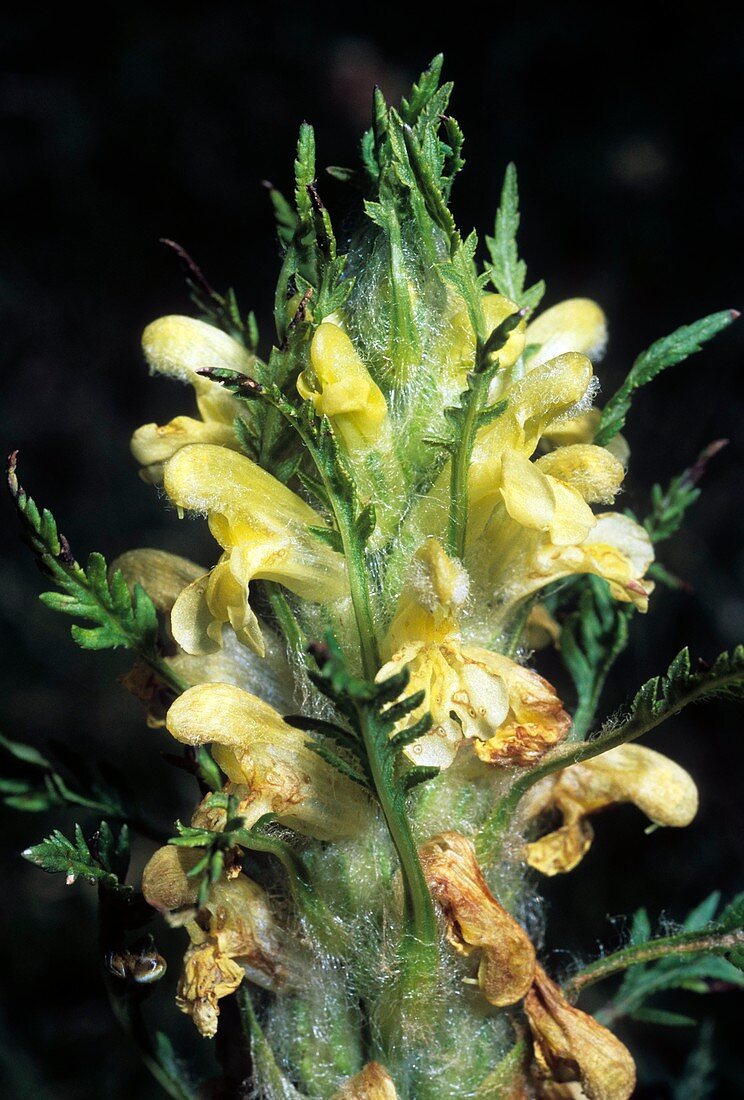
591, 471
180, 346
577, 324
528, 495
341, 388
255, 746
153, 444
573, 519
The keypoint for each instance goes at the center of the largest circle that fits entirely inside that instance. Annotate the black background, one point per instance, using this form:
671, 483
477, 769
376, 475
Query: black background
147, 121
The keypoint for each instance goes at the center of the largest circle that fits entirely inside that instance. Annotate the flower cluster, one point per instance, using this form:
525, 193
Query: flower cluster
409, 495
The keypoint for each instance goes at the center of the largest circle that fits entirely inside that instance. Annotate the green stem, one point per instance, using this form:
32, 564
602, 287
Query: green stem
264, 1062
356, 566
682, 943
458, 517
286, 620
421, 932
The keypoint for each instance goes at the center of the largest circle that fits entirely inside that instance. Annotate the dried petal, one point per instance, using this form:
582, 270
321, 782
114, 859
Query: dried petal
475, 920
536, 720
165, 882
373, 1083
162, 575
570, 1046
208, 975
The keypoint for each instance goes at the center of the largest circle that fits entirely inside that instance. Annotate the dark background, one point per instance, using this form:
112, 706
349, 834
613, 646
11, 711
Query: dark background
162, 120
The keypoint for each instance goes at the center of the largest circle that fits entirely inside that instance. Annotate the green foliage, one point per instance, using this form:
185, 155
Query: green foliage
667, 352
43, 783
119, 617
699, 954
102, 860
668, 507
698, 1080
506, 271
592, 638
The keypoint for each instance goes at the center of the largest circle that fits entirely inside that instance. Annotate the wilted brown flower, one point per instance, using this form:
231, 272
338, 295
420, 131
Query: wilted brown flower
572, 1049
373, 1083
475, 920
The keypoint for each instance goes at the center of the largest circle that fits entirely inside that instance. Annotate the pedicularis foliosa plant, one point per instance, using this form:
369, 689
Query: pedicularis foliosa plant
410, 488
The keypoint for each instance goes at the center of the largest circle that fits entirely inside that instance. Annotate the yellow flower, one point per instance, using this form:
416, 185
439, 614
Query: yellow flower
264, 529
268, 762
630, 773
577, 325
179, 347
341, 388
571, 1047
233, 937
373, 1083
530, 521
512, 714
459, 342
474, 920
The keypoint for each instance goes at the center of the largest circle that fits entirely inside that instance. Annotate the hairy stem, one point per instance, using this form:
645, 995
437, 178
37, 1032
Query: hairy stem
681, 943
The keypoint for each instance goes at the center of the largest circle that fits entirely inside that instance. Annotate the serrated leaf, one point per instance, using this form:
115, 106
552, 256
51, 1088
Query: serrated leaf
664, 353
73, 858
506, 271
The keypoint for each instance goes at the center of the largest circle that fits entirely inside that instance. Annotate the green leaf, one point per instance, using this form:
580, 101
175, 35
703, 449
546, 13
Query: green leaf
118, 617
667, 352
592, 638
506, 271
95, 862
668, 507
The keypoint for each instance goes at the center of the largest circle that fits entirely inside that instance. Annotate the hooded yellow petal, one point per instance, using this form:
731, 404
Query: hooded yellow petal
435, 592
262, 520
475, 920
341, 388
571, 1046
629, 773
373, 1083
459, 338
591, 471
577, 324
181, 346
255, 746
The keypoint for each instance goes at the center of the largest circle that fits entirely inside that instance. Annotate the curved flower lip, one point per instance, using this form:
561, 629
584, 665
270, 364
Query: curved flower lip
153, 444
570, 1046
511, 713
372, 1083
629, 773
256, 748
474, 919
